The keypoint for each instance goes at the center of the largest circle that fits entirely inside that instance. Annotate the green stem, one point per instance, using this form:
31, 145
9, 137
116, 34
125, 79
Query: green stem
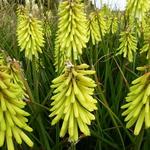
35, 80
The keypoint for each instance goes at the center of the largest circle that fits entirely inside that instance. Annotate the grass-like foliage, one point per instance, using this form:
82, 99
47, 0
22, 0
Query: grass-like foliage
86, 68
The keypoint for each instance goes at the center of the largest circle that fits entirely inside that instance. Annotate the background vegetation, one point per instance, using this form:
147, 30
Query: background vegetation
113, 77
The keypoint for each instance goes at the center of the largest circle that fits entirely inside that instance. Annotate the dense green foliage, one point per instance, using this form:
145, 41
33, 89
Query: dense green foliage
121, 43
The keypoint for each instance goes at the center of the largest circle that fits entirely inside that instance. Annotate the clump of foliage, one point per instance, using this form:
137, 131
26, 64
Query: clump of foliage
77, 67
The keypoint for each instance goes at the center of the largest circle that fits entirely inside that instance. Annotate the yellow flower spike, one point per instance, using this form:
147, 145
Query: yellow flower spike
112, 24
13, 119
30, 35
146, 46
71, 35
138, 8
72, 104
137, 107
96, 27
128, 44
